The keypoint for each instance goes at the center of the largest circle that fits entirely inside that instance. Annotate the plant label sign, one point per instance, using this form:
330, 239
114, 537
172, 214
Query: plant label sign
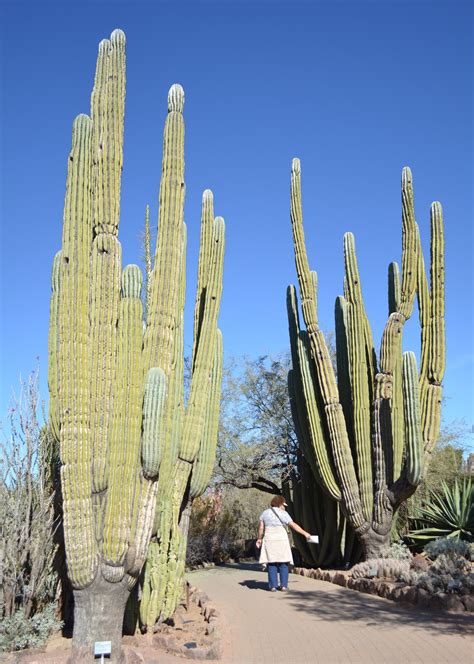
102, 648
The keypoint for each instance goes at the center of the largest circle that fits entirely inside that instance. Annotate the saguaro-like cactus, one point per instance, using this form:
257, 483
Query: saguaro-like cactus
112, 376
191, 431
368, 435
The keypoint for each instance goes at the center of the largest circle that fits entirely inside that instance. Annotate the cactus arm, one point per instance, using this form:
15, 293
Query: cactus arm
204, 463
317, 453
53, 349
104, 313
342, 359
153, 407
75, 444
148, 261
325, 372
205, 248
200, 381
412, 472
414, 438
431, 386
108, 106
360, 375
165, 281
123, 452
437, 331
409, 259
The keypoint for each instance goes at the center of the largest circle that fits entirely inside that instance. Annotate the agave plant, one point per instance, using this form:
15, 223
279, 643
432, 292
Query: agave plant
449, 513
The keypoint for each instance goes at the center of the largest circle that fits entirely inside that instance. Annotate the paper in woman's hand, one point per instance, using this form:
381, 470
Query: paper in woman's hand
313, 539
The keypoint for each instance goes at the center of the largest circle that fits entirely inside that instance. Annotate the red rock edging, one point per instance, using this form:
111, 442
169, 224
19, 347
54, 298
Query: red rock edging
397, 591
212, 648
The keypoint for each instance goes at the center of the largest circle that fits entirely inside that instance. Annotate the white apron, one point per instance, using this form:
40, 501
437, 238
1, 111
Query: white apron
276, 546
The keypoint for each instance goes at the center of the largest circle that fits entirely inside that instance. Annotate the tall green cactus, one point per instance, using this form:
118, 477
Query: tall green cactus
368, 435
113, 378
191, 432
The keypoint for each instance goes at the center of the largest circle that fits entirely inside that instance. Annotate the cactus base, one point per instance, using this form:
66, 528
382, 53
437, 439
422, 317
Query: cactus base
98, 616
373, 543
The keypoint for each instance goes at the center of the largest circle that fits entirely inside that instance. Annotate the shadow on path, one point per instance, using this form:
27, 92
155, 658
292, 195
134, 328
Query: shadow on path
254, 585
352, 606
333, 603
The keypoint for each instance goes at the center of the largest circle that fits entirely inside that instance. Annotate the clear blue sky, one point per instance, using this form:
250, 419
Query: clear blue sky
356, 90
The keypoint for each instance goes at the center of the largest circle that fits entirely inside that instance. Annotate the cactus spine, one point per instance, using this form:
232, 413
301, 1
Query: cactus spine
367, 437
113, 380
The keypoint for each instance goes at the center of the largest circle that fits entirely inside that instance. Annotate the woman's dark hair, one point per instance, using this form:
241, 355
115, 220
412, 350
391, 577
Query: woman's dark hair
277, 501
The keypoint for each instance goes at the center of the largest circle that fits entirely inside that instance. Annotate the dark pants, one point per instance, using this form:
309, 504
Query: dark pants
273, 570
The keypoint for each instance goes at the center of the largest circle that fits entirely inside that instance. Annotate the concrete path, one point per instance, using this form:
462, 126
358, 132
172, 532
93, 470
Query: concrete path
316, 622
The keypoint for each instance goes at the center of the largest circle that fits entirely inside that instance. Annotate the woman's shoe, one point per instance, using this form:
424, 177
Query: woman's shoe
273, 590
283, 588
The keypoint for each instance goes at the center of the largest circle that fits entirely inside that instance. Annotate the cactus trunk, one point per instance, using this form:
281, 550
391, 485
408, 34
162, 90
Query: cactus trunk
105, 604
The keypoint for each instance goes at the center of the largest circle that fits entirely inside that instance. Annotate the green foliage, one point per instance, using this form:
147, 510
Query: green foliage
220, 523
18, 632
448, 513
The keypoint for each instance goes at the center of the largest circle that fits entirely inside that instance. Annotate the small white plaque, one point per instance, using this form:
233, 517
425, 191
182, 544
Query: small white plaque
102, 648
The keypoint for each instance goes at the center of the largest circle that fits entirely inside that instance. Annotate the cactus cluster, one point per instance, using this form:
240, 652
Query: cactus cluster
127, 443
367, 435
381, 568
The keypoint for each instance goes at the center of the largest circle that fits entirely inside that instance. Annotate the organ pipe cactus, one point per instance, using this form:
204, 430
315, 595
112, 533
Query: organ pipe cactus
368, 435
113, 378
192, 431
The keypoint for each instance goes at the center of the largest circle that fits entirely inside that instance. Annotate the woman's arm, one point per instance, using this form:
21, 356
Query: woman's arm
260, 534
299, 529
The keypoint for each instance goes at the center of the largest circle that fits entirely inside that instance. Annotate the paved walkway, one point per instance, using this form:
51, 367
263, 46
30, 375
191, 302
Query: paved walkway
316, 622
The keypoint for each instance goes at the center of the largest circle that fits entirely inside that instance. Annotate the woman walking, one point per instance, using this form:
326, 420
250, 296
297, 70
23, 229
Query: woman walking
273, 542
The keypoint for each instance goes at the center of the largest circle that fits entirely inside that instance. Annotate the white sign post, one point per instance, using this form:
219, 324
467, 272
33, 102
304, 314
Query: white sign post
102, 648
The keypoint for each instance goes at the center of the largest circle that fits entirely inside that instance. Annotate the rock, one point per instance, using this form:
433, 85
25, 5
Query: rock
449, 602
395, 594
201, 599
165, 641
423, 599
408, 594
352, 583
468, 601
132, 657
340, 579
419, 563
210, 612
385, 589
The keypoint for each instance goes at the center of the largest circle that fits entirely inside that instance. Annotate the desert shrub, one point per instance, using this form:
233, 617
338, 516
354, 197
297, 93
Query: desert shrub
397, 551
450, 570
18, 632
28, 582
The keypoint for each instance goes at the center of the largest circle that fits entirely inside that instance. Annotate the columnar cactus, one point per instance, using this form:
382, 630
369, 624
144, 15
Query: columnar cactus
113, 378
368, 435
191, 432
